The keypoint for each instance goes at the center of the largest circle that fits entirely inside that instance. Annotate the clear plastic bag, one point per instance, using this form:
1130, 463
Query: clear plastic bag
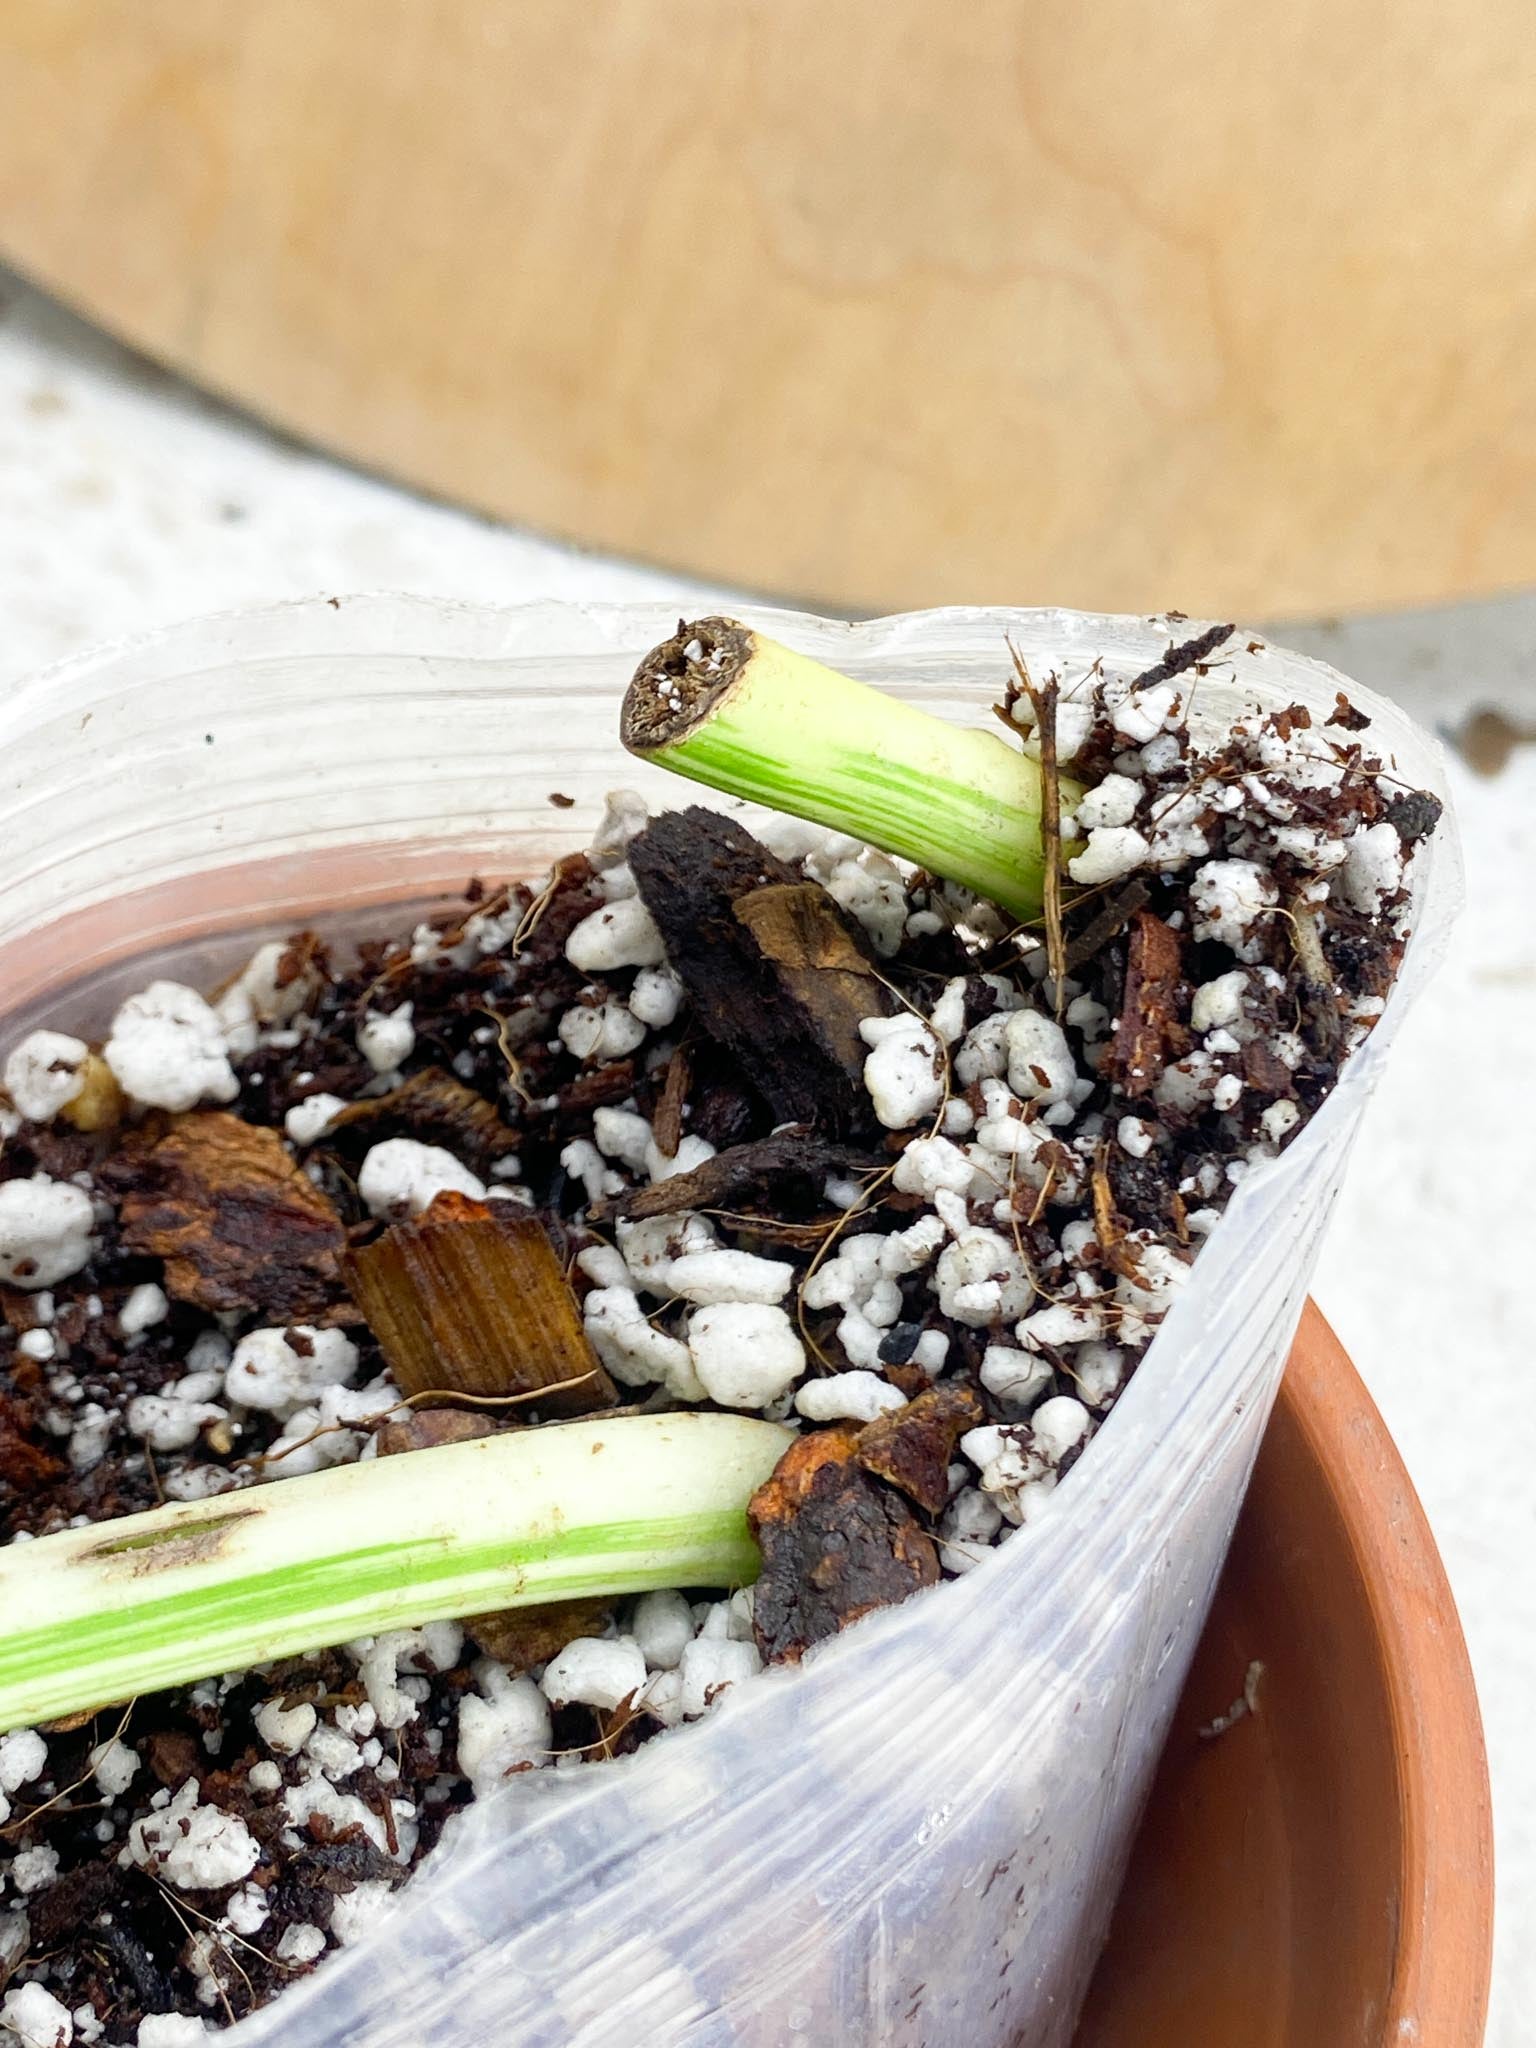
916, 1839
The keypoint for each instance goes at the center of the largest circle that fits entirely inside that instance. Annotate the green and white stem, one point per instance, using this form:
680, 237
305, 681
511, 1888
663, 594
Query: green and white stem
729, 707
94, 1616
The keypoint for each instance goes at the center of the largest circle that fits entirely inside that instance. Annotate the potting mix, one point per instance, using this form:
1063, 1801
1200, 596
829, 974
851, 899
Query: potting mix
762, 1122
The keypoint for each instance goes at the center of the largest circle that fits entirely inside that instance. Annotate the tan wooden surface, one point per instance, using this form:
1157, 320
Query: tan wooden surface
1220, 303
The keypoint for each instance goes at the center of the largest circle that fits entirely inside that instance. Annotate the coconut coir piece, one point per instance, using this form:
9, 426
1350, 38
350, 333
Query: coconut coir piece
466, 1300
774, 969
238, 1225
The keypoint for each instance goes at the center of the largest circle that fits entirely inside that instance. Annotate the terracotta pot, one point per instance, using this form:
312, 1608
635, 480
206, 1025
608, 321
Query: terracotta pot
1321, 1874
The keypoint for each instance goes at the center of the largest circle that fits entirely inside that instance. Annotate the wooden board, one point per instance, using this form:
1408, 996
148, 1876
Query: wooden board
1220, 305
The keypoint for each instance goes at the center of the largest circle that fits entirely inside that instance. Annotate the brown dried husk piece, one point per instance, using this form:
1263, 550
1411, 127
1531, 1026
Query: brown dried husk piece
469, 1299
237, 1223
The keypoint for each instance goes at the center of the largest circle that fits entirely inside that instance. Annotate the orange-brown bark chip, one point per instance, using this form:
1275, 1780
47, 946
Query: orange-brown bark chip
836, 1543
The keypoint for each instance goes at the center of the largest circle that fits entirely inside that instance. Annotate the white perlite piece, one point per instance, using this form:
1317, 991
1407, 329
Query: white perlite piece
718, 1276
171, 1421
310, 1120
710, 1666
167, 1049
967, 1529
624, 1135
145, 1306
691, 1152
114, 1766
1017, 1377
504, 1728
1111, 802
929, 1164
652, 1245
299, 1943
403, 1177
15, 1938
194, 1847
23, 1758
1219, 1003
1139, 712
387, 1040
285, 1729
356, 1913
904, 1072
42, 1075
745, 1353
848, 1397
1373, 867
35, 1869
662, 1626
980, 1279
172, 2030
594, 1673
1018, 1463
1061, 1322
271, 1372
597, 1032
625, 814
656, 997
380, 1659
582, 1161
1279, 1118
45, 1231
36, 2018
1134, 1136
1040, 1063
1112, 851
621, 934
257, 996
633, 1349
1233, 898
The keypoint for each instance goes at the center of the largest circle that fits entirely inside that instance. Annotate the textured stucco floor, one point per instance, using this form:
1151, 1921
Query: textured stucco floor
127, 501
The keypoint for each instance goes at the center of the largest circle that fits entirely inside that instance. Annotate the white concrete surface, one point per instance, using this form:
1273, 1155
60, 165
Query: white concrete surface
127, 501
